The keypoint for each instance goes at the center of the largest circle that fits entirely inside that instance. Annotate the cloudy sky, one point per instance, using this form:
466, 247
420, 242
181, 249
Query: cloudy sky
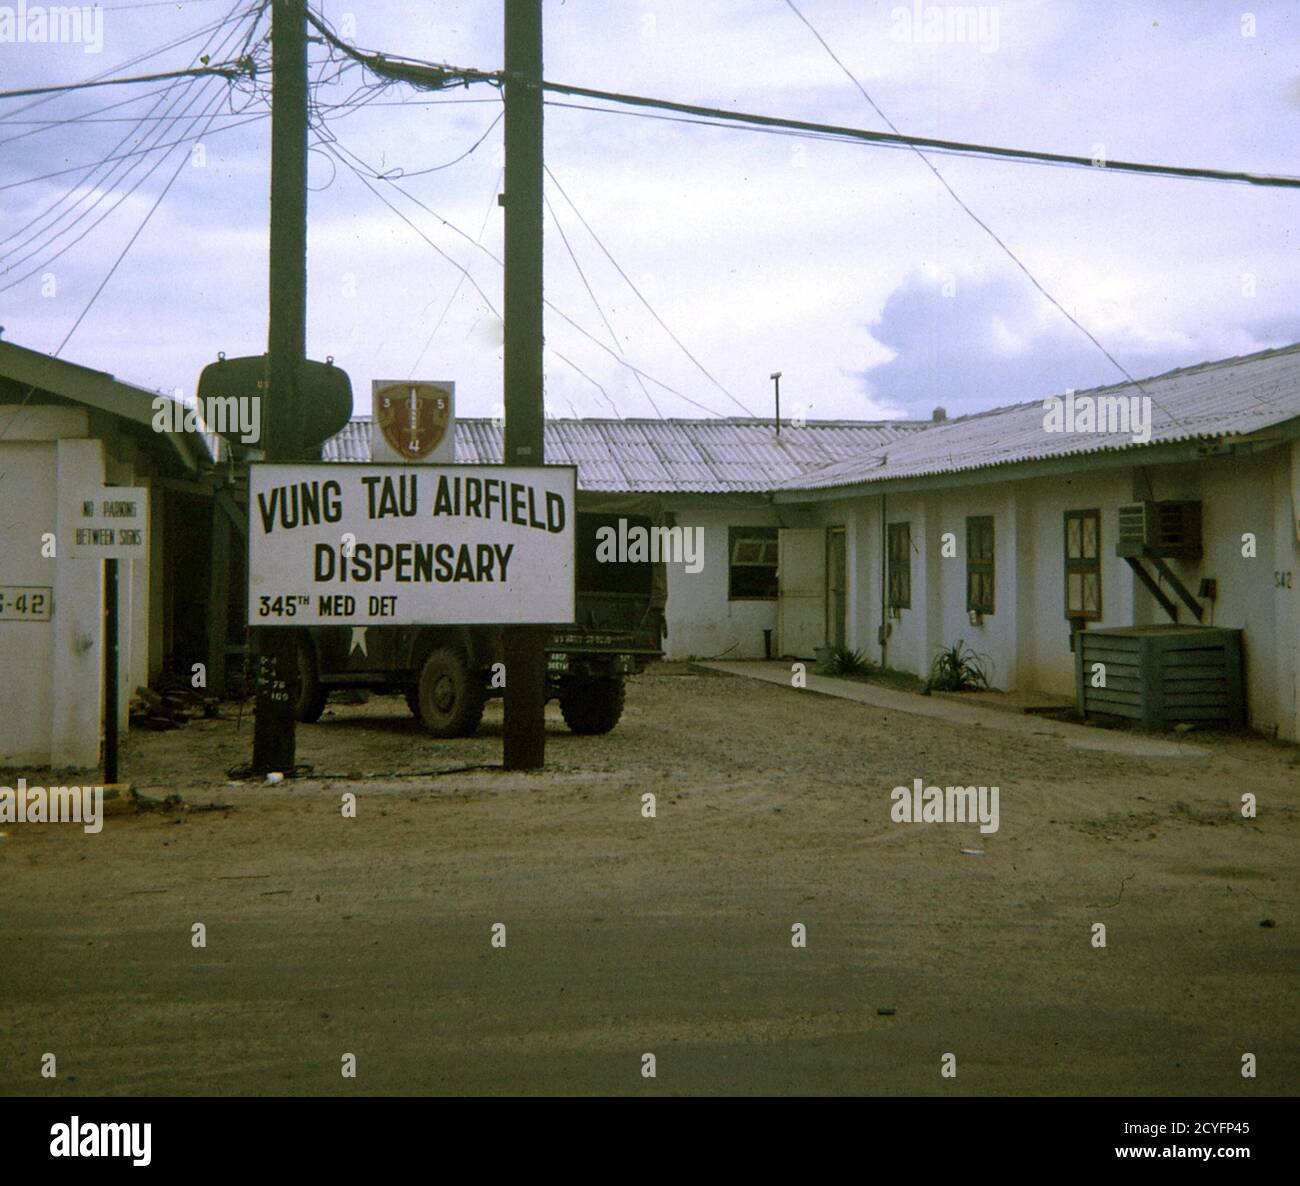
848, 268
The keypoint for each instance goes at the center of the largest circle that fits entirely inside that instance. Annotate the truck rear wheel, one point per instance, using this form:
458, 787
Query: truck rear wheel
593, 705
310, 702
449, 696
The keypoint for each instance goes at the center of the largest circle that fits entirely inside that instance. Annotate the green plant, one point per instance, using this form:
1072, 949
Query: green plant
958, 669
842, 661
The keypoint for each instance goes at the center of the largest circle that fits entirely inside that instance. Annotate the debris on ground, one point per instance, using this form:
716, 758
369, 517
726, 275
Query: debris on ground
170, 705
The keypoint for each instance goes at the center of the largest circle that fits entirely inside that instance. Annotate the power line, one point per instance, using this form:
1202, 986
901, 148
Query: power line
91, 169
156, 4
400, 173
225, 69
455, 292
598, 386
103, 284
492, 201
38, 126
899, 139
650, 308
131, 242
410, 102
791, 133
1015, 259
118, 171
613, 337
361, 176
125, 155
428, 75
211, 27
11, 263
337, 150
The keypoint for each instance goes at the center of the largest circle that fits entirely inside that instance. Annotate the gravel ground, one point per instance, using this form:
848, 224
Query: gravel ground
671, 935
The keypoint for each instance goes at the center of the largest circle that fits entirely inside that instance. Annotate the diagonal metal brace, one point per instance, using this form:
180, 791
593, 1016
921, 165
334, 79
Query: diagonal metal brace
1183, 592
1155, 590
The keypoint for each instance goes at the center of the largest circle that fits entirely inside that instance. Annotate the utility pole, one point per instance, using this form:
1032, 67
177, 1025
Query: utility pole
776, 379
275, 648
524, 739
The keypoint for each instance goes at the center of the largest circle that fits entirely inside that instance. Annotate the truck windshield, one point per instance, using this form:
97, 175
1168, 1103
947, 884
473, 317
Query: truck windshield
604, 544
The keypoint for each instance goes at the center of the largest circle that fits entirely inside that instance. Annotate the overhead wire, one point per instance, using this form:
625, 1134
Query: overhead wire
641, 297
51, 233
595, 383
223, 69
790, 133
613, 337
988, 230
897, 139
175, 43
94, 297
92, 168
129, 244
362, 176
460, 282
156, 4
124, 155
398, 172
37, 126
392, 175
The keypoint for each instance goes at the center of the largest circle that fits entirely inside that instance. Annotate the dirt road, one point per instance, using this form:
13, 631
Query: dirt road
672, 935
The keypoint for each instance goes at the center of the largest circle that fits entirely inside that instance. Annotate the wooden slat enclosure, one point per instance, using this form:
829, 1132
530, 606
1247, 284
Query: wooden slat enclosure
1161, 675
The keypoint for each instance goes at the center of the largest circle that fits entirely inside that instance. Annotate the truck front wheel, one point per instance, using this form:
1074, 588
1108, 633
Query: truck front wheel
449, 696
592, 705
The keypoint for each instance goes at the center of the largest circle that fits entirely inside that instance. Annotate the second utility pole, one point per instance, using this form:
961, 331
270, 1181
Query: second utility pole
524, 741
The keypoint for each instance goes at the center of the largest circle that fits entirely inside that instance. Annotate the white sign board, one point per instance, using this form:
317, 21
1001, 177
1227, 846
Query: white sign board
106, 522
414, 423
370, 545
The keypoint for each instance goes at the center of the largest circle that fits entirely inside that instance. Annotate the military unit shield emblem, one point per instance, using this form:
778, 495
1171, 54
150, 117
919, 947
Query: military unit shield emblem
413, 417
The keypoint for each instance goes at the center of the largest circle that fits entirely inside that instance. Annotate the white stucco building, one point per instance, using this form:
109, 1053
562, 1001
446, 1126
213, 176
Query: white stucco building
1042, 509
1004, 525
64, 428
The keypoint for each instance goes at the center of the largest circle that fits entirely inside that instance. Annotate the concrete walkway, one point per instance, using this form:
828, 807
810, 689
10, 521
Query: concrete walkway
1137, 745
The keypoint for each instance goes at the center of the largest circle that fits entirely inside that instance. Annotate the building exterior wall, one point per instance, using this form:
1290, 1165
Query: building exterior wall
51, 697
703, 621
26, 690
1026, 640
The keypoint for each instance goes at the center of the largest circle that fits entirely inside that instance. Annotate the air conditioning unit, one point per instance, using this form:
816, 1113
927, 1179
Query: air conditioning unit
1167, 528
1160, 676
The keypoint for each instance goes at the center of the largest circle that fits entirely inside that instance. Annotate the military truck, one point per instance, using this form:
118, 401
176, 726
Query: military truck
448, 673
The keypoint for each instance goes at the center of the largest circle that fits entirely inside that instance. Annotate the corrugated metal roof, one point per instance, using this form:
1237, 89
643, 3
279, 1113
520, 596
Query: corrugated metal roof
722, 456
1231, 397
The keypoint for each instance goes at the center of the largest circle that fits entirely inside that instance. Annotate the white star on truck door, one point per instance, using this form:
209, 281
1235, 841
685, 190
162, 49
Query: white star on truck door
359, 640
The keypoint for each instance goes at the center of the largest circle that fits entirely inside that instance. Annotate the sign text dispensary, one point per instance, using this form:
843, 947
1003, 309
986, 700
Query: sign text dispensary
383, 544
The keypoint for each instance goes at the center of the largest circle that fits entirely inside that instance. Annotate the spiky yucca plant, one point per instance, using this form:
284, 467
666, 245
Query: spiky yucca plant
958, 669
842, 661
